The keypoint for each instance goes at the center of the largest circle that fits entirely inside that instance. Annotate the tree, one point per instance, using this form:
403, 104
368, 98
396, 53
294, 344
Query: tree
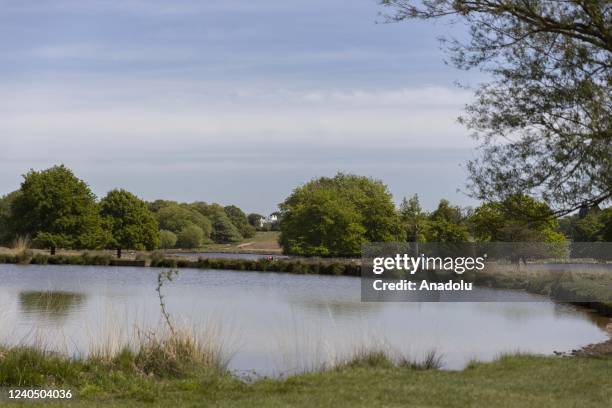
606, 231
176, 217
256, 220
240, 221
190, 237
414, 219
57, 210
335, 216
592, 226
518, 218
6, 229
447, 224
157, 205
167, 239
321, 223
224, 232
129, 221
545, 119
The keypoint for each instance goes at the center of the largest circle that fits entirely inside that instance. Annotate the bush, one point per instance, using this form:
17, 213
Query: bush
167, 239
224, 231
191, 236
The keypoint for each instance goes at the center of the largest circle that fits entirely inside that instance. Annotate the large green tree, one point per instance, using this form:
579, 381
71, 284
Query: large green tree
176, 217
58, 210
544, 116
447, 223
223, 230
335, 216
129, 221
592, 226
240, 221
518, 218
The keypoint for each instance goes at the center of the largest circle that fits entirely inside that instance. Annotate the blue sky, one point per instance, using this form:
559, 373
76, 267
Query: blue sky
229, 101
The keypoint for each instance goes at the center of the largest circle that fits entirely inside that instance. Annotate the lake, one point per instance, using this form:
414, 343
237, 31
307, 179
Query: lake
275, 323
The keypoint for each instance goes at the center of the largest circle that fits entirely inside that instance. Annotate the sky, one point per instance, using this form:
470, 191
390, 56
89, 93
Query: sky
234, 101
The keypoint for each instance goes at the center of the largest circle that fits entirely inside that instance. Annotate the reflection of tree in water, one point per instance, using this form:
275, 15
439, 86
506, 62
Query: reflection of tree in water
599, 320
336, 309
54, 305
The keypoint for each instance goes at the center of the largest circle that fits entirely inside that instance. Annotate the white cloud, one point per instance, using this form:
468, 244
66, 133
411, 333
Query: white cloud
196, 114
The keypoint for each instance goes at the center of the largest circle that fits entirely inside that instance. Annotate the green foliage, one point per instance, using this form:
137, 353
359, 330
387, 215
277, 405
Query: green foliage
335, 216
447, 224
6, 230
167, 239
413, 219
256, 220
190, 237
606, 231
176, 217
31, 367
519, 218
129, 221
157, 205
224, 231
56, 208
544, 117
594, 226
240, 221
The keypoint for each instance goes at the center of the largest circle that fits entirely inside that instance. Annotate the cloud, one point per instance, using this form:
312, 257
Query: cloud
147, 119
115, 53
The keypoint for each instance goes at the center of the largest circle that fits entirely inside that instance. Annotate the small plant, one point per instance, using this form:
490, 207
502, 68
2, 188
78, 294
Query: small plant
162, 277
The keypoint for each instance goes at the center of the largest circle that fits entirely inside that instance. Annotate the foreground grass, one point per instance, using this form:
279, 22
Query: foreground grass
512, 381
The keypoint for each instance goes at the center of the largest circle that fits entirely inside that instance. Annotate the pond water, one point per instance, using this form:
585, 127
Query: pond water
274, 323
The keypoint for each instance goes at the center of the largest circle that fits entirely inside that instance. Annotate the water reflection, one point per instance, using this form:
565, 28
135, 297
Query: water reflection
336, 309
50, 305
278, 322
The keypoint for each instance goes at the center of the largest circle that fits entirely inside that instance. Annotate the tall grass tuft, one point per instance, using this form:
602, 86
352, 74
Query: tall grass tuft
378, 357
21, 243
174, 354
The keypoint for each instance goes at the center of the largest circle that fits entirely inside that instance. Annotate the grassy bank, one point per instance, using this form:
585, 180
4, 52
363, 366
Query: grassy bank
370, 380
298, 266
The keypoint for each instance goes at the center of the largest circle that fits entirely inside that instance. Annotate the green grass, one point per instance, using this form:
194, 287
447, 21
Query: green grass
265, 242
369, 380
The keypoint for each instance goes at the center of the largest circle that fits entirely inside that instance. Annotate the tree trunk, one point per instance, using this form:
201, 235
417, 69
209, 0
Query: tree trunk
118, 253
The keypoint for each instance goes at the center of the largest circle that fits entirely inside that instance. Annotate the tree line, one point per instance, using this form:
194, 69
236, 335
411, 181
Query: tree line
55, 209
328, 216
335, 216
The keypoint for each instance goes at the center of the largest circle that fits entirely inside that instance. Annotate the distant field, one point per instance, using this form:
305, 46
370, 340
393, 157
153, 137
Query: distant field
262, 242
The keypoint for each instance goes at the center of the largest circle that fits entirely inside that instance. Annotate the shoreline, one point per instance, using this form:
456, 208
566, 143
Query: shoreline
582, 292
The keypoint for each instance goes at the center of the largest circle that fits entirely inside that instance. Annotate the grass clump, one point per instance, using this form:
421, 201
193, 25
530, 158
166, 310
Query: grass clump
34, 367
382, 358
175, 354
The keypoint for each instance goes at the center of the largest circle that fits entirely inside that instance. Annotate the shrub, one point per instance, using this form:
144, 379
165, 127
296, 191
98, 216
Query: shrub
191, 236
167, 239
